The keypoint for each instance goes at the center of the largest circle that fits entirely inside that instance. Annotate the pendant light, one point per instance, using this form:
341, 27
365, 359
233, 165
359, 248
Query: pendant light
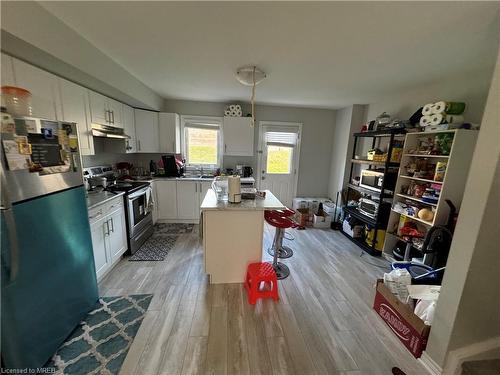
250, 76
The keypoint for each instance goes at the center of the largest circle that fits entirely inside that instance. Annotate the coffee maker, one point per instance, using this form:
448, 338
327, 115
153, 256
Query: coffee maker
247, 171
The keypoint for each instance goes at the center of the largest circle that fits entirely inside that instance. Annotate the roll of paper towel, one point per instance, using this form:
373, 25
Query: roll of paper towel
450, 108
427, 110
234, 189
425, 120
436, 119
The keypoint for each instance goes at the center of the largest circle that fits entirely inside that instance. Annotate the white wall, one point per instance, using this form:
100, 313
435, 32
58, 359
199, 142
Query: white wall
316, 146
468, 310
469, 87
32, 34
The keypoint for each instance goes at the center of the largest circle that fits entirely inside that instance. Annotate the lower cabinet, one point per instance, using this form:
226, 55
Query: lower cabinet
187, 202
180, 199
166, 194
109, 235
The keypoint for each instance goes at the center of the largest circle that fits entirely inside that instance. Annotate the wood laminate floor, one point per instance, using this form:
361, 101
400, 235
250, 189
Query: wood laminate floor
323, 323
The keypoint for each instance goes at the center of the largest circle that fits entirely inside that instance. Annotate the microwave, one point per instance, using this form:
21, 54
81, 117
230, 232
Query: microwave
372, 179
372, 208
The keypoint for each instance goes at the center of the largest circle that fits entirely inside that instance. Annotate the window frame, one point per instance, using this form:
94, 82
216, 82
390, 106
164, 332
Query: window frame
202, 122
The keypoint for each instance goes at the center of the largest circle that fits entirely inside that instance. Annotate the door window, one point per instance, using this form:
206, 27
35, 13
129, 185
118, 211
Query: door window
279, 159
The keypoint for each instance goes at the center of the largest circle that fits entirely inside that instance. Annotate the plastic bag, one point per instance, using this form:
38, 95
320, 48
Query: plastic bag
397, 281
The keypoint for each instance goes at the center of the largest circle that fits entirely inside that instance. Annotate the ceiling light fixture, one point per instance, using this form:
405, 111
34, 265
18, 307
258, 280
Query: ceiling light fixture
250, 76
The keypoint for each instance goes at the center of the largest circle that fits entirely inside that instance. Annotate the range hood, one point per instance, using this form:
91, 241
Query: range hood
105, 131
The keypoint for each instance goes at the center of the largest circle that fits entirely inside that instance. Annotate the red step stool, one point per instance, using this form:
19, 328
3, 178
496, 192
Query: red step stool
256, 274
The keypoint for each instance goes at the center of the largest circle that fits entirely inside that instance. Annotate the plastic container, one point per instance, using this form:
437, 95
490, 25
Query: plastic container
17, 101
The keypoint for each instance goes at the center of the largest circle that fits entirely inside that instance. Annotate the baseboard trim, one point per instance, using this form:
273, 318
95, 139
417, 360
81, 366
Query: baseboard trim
430, 365
458, 356
180, 221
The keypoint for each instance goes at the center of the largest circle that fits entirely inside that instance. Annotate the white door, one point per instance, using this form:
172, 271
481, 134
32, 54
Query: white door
117, 234
129, 129
279, 149
99, 232
147, 131
74, 109
166, 194
187, 200
43, 87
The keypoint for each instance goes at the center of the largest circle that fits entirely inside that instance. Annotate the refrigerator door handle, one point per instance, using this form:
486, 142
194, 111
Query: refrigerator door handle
14, 246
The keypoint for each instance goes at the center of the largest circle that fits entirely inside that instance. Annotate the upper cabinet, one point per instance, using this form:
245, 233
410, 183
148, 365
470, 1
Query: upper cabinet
129, 129
116, 110
170, 132
238, 136
147, 131
74, 103
8, 78
104, 110
44, 90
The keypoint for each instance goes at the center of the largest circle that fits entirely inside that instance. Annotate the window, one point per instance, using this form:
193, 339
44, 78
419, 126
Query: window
279, 150
202, 141
279, 159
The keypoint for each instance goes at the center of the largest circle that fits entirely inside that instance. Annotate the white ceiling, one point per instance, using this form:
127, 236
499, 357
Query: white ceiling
316, 54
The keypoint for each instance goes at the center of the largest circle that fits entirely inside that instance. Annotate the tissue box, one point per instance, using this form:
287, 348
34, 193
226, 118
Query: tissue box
408, 327
322, 221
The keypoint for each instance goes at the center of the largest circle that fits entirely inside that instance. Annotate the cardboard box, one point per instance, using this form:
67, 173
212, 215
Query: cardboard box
408, 327
322, 221
302, 216
356, 232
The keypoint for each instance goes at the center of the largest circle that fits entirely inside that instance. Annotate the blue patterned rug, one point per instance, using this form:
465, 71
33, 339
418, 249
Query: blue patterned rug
101, 341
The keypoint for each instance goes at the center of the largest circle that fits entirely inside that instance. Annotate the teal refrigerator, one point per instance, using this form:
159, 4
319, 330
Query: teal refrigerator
47, 265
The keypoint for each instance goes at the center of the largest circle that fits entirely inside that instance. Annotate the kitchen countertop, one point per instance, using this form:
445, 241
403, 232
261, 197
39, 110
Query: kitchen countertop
210, 203
98, 198
243, 179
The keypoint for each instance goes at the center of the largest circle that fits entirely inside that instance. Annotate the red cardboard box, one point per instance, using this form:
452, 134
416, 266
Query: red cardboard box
408, 327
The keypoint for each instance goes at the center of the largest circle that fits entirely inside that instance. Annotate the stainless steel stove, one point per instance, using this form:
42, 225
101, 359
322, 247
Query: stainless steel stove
138, 208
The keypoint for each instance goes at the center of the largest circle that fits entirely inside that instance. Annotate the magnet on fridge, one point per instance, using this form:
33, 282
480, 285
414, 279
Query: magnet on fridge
47, 133
24, 148
73, 143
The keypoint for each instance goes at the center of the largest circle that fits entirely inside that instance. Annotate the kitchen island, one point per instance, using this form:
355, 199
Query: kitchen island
233, 235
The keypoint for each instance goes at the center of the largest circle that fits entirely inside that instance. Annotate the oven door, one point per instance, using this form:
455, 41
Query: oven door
138, 213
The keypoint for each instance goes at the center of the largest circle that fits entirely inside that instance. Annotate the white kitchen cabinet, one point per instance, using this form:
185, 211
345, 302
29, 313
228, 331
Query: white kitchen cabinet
8, 78
187, 200
109, 234
74, 104
147, 131
203, 189
129, 129
180, 199
117, 237
104, 110
116, 108
170, 132
166, 194
102, 259
43, 87
98, 108
238, 136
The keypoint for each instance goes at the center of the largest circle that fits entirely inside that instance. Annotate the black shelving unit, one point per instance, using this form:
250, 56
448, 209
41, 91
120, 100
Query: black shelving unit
384, 195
